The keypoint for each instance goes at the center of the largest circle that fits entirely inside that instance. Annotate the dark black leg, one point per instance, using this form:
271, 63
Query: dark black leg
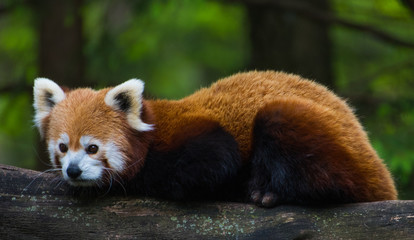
271, 172
200, 168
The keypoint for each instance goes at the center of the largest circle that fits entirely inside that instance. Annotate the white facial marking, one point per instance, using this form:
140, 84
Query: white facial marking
91, 168
64, 138
52, 153
114, 156
85, 141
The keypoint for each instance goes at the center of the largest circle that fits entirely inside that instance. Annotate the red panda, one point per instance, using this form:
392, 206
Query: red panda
272, 137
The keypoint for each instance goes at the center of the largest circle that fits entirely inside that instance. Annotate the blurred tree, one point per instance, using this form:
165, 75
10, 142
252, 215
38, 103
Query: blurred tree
174, 46
285, 40
409, 4
60, 41
17, 65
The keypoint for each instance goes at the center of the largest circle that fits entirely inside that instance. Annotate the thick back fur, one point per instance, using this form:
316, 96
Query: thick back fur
235, 102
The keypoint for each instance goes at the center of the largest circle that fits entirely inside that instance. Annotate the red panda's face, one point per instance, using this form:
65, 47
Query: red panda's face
88, 132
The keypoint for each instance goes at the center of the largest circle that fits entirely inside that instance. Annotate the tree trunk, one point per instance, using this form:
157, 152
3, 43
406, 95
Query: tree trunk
284, 40
35, 206
60, 41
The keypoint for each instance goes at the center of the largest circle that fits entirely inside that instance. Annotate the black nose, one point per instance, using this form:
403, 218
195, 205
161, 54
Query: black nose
73, 171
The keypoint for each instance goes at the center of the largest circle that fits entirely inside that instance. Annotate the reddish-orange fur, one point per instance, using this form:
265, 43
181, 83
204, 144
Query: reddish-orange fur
341, 151
234, 103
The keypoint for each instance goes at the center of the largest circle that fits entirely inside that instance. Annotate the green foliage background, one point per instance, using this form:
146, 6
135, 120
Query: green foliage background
178, 46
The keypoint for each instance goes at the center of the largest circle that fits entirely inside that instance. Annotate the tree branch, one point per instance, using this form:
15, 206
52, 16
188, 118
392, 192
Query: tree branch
34, 205
305, 9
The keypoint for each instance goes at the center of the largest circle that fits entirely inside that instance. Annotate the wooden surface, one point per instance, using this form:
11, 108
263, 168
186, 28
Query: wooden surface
35, 206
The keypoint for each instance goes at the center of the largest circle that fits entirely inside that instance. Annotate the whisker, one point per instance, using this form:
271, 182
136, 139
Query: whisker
121, 181
38, 158
122, 186
60, 181
37, 176
116, 178
110, 177
135, 162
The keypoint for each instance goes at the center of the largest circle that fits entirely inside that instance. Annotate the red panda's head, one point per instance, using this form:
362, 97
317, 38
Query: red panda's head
93, 136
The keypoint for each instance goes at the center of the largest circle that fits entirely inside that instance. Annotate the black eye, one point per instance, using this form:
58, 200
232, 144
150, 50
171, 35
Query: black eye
92, 149
63, 148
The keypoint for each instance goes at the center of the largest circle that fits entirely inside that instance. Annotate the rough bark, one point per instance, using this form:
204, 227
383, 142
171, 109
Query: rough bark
35, 206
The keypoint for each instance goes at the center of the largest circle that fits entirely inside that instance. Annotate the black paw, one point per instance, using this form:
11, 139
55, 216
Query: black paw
267, 199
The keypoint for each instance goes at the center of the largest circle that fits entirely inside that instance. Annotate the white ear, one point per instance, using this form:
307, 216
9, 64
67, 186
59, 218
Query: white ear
46, 95
127, 97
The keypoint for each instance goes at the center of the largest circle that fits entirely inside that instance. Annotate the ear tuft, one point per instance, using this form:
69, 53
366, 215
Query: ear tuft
46, 95
127, 97
124, 101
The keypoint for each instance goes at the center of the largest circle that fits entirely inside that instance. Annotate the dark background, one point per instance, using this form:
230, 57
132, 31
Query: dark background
363, 50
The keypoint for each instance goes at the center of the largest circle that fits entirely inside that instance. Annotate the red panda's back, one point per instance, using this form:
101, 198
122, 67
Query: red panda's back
234, 102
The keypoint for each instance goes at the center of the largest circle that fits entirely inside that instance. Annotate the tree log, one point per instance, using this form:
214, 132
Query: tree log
34, 205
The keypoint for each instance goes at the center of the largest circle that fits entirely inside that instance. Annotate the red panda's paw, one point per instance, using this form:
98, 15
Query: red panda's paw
269, 199
255, 196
